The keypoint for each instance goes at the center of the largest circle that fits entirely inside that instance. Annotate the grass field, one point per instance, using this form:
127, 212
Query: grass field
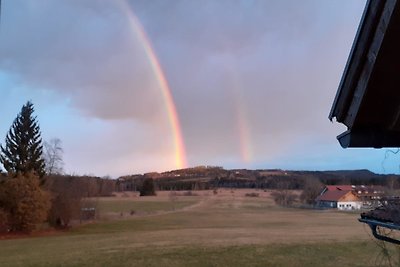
227, 229
128, 204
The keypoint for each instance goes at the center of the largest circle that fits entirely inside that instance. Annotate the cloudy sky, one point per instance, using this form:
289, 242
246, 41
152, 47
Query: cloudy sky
252, 82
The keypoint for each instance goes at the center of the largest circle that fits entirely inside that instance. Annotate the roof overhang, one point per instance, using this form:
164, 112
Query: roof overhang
368, 97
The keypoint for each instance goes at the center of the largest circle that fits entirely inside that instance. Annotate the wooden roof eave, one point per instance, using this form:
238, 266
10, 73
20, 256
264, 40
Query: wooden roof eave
356, 78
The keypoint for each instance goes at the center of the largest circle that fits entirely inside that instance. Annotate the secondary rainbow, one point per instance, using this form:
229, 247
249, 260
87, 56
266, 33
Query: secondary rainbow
243, 128
242, 124
180, 152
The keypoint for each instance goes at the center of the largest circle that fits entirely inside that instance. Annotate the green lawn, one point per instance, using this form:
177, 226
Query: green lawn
217, 231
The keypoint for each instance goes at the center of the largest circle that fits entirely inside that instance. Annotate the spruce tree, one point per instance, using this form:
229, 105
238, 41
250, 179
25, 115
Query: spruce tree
148, 188
22, 153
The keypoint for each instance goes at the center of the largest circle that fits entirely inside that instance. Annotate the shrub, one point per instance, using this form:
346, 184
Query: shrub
189, 193
284, 197
253, 194
25, 202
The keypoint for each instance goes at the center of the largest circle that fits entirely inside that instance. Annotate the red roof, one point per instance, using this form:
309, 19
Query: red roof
334, 195
339, 187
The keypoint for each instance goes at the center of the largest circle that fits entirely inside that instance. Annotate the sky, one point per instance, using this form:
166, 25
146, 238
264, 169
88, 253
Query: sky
139, 86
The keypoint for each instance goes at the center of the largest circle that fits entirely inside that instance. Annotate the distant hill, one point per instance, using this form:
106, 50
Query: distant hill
363, 174
206, 177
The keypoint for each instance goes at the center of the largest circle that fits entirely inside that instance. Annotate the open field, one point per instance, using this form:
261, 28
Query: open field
226, 229
127, 204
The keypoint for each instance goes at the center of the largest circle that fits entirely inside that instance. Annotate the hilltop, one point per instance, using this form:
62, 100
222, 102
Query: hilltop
206, 177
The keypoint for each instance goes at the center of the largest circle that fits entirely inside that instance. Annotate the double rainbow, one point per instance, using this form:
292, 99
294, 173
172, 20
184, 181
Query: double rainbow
173, 118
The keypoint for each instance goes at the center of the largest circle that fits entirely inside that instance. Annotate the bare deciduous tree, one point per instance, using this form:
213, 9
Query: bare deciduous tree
312, 188
392, 183
68, 193
53, 156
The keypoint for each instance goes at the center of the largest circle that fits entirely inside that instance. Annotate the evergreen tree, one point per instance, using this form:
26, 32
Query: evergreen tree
22, 153
148, 188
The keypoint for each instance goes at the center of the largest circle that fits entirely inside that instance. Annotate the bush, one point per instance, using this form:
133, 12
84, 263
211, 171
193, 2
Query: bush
253, 194
25, 202
189, 193
284, 197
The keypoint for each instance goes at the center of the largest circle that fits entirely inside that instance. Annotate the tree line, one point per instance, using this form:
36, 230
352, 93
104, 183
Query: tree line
220, 178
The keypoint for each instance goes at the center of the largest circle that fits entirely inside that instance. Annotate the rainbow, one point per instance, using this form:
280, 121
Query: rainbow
243, 127
244, 135
243, 130
173, 118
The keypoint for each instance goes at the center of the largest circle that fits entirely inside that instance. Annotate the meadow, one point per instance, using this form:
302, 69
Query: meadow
203, 229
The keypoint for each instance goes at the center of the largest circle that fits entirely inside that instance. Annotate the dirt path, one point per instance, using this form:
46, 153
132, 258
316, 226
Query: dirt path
204, 202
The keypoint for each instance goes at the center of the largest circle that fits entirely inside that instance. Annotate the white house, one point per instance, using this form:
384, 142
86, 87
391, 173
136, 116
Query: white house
340, 199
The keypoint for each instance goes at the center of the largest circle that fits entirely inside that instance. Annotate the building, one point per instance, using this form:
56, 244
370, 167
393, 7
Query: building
339, 199
370, 196
366, 196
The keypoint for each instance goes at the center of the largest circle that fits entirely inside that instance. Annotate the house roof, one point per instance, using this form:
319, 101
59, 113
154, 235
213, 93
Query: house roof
333, 195
368, 99
339, 187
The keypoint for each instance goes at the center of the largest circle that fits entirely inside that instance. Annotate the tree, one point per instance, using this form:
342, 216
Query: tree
24, 202
22, 153
312, 188
66, 202
148, 188
392, 183
53, 156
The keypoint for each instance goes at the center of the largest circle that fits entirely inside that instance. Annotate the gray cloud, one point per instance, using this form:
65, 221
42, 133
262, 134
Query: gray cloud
275, 63
285, 62
83, 49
